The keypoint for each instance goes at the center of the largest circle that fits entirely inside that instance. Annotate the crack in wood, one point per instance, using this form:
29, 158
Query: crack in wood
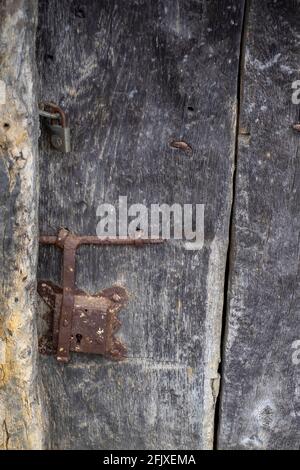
243, 39
6, 435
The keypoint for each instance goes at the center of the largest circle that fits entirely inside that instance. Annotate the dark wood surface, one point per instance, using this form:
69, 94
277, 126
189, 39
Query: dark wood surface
133, 76
260, 398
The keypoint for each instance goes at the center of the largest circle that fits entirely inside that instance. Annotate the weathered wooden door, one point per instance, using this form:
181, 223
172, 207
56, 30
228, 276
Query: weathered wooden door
134, 76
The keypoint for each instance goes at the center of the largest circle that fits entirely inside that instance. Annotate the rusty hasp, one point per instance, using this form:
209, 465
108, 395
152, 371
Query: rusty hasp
82, 322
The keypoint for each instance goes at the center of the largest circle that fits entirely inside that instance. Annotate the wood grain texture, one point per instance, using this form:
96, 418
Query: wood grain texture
260, 401
20, 408
134, 76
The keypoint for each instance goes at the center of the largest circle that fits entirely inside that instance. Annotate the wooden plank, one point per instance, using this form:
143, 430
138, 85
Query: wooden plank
260, 402
20, 411
133, 76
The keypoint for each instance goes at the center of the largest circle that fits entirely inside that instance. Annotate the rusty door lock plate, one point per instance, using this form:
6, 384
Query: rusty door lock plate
81, 322
94, 321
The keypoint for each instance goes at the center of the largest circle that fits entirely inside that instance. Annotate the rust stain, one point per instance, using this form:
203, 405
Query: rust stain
181, 145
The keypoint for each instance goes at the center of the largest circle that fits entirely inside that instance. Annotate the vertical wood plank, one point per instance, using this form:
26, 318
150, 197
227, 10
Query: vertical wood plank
20, 410
133, 76
260, 401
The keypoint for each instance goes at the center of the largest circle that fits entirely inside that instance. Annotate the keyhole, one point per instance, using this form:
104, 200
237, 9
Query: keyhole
78, 338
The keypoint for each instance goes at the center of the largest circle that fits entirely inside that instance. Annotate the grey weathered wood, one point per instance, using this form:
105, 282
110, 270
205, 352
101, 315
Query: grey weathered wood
260, 401
134, 75
20, 410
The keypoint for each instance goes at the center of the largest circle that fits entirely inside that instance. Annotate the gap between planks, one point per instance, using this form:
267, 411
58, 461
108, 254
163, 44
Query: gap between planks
239, 92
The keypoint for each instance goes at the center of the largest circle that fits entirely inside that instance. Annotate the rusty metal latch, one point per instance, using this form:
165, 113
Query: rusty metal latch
81, 322
57, 126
